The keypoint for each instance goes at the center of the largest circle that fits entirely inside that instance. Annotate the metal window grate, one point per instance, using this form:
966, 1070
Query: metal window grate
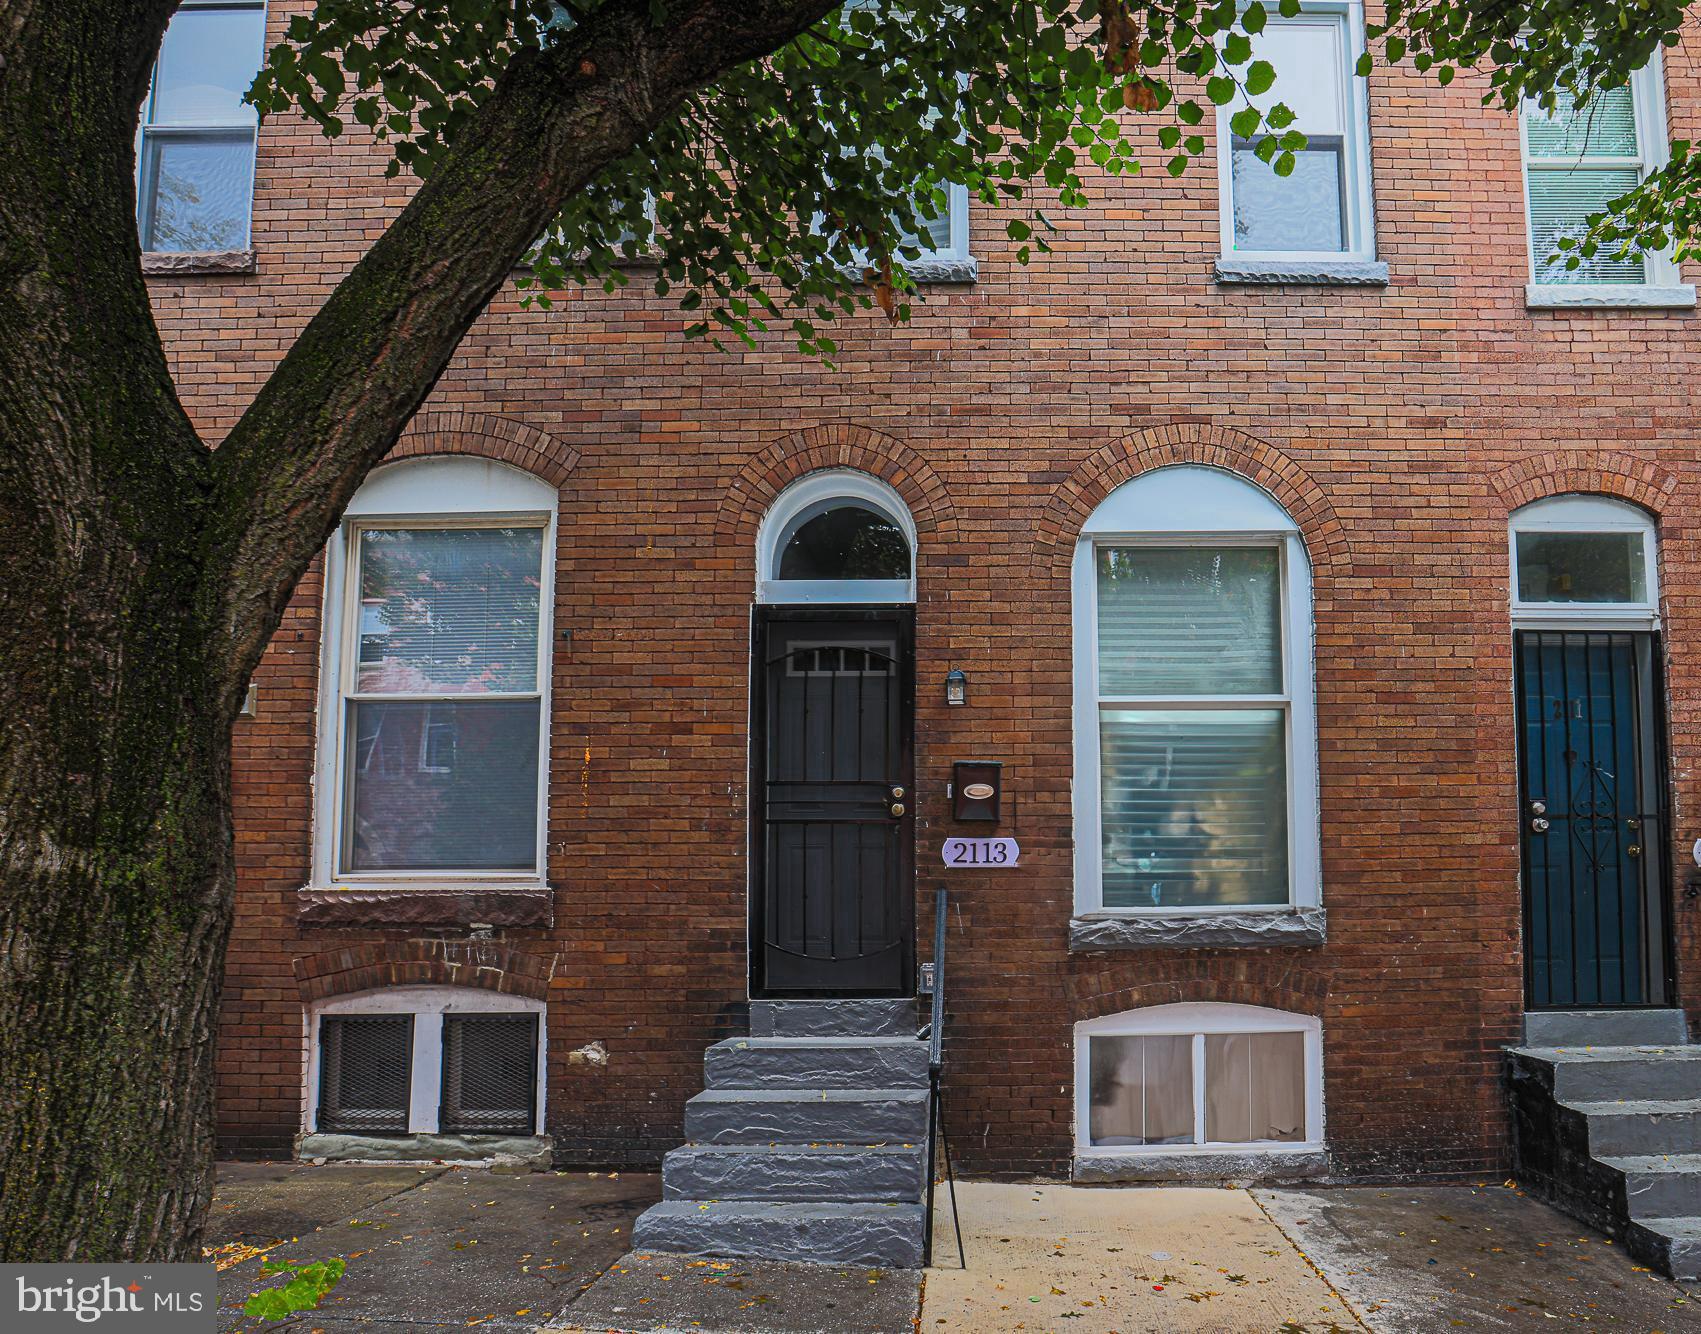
489, 1073
365, 1070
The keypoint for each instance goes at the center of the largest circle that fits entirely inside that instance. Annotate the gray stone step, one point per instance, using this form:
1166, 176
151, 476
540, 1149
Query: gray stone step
1604, 1074
833, 1018
1660, 1185
808, 1116
1672, 1245
1628, 1129
888, 1235
819, 1063
794, 1172
1603, 1028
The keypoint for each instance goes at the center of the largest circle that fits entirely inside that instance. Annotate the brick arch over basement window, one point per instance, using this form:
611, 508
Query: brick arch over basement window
1258, 462
1586, 472
836, 445
1273, 983
410, 963
485, 436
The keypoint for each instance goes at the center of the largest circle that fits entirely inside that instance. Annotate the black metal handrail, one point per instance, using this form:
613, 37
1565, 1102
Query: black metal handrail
935, 1065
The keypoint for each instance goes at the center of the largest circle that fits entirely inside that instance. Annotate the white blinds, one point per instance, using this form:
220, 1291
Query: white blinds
1577, 162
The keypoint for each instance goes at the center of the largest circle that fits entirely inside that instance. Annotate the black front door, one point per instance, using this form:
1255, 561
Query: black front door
1593, 810
833, 802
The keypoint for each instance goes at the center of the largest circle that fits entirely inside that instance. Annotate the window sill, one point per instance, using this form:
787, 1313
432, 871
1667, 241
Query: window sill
438, 905
1205, 1164
164, 263
1269, 928
1608, 296
1324, 271
534, 1153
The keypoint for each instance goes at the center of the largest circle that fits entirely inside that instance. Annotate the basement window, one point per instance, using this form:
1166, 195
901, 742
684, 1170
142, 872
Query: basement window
1206, 1076
426, 1060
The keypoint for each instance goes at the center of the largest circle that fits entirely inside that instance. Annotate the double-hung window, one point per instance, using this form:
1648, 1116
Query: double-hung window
1195, 737
1323, 207
438, 656
196, 169
1577, 160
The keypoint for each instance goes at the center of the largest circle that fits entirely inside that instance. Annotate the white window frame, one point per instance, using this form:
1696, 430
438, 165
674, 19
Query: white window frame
427, 1005
1357, 203
147, 131
444, 492
1648, 101
957, 212
1191, 505
1583, 514
803, 500
1197, 1019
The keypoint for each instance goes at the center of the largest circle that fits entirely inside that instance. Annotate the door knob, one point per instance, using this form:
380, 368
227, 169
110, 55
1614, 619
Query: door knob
1538, 825
1538, 807
897, 808
1634, 850
897, 792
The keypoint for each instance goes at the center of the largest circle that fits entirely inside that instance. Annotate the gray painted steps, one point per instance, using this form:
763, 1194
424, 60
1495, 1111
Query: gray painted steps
1603, 1028
816, 1062
833, 1018
807, 1116
1641, 1127
795, 1172
862, 1234
1660, 1185
1603, 1074
1671, 1244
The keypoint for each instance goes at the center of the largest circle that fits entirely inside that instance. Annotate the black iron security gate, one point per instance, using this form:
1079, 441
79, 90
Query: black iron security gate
1593, 806
834, 802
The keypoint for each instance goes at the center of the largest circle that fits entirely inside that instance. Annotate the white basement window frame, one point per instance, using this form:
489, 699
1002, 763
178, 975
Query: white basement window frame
1198, 1021
1585, 516
185, 120
810, 497
1194, 506
427, 1007
435, 493
1326, 110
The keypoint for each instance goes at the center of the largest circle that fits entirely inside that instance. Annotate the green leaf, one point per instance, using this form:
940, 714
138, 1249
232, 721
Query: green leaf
1220, 89
1260, 77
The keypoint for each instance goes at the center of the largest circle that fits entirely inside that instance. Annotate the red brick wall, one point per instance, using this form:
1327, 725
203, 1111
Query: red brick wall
1399, 426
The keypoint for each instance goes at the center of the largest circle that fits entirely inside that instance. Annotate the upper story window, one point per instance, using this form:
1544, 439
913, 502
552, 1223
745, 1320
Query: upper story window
196, 168
1583, 558
837, 536
1323, 206
1577, 161
1195, 731
436, 667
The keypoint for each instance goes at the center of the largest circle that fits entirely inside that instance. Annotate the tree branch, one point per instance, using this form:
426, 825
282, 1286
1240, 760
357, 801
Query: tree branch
354, 378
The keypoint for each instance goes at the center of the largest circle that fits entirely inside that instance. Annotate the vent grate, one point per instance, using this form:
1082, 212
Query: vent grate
365, 1069
489, 1073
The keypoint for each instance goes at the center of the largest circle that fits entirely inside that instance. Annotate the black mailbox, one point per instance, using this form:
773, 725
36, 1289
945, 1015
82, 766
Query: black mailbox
976, 789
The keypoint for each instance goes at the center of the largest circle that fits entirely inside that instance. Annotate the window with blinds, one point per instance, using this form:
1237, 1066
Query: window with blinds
1577, 160
365, 1072
489, 1074
1193, 726
443, 699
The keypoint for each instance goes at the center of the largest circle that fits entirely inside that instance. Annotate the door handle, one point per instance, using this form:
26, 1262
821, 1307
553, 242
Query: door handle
1634, 850
897, 792
897, 808
1538, 825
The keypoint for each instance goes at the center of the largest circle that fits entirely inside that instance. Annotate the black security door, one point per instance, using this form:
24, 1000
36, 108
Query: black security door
1592, 792
834, 791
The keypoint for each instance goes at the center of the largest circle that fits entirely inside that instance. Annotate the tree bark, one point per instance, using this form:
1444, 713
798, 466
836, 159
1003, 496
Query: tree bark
144, 573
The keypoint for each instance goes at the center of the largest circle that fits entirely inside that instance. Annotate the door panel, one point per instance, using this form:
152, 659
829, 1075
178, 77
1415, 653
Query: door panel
1593, 815
834, 802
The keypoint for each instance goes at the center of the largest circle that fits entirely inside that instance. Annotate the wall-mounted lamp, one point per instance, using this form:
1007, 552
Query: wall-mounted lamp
956, 687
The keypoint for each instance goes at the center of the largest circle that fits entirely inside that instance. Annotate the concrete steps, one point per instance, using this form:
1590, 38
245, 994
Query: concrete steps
808, 1142
1612, 1133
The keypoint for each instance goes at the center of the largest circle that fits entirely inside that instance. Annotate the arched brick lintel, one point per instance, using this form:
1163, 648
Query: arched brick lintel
1259, 462
487, 965
834, 445
1272, 983
484, 435
1593, 472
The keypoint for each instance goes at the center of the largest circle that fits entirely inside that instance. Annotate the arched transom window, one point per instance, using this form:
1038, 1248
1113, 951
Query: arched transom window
837, 536
1584, 558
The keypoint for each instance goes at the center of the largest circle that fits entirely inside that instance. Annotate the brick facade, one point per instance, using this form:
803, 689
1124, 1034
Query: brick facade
1399, 426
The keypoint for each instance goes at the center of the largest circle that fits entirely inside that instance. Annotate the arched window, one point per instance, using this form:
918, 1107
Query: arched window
1195, 728
435, 675
1584, 558
1202, 1076
836, 536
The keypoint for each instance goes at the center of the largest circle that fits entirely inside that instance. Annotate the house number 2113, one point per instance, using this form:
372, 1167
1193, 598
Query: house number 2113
966, 852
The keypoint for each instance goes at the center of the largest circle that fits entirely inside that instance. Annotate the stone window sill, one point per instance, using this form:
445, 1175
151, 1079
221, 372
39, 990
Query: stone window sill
923, 271
1608, 296
1324, 271
529, 1153
1270, 929
159, 263
1227, 1165
436, 905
